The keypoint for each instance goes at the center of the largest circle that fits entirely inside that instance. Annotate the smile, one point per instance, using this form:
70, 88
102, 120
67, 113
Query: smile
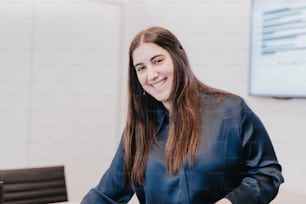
159, 83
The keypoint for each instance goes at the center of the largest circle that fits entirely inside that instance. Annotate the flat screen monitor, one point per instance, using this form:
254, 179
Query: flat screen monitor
278, 48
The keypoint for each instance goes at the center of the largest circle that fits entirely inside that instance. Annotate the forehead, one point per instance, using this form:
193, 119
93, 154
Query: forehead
145, 51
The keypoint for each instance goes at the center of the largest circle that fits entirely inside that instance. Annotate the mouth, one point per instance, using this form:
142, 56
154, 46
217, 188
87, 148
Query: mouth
159, 83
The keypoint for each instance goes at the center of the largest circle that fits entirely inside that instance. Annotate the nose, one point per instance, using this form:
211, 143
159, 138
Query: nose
151, 74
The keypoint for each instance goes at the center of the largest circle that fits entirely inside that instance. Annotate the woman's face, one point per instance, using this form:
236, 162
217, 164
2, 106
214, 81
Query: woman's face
154, 68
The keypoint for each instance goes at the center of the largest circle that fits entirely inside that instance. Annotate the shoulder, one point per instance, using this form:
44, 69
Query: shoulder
225, 104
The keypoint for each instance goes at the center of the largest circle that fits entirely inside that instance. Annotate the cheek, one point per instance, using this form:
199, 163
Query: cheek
170, 74
169, 69
141, 79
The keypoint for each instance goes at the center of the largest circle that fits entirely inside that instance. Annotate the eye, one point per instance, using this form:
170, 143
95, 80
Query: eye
158, 60
140, 68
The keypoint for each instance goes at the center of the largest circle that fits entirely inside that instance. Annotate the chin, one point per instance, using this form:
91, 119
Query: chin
163, 99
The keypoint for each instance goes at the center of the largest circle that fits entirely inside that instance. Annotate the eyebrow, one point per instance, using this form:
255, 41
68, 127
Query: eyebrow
152, 58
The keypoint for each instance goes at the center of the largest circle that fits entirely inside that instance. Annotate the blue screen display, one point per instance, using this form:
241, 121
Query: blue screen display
278, 48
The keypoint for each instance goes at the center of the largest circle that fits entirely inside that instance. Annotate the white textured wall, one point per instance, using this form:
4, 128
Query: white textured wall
60, 86
15, 74
75, 88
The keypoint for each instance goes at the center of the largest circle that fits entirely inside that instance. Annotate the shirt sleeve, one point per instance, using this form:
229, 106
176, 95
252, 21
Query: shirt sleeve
262, 170
113, 186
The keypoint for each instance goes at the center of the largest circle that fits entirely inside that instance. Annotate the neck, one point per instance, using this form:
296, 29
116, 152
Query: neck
168, 106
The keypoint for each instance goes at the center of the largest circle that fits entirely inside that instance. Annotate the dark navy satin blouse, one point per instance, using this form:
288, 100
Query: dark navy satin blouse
235, 159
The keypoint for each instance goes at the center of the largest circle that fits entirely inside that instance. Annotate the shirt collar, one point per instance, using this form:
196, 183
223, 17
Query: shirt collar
162, 116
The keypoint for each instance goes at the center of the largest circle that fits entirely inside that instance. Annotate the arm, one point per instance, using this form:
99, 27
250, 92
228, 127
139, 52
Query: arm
112, 188
262, 170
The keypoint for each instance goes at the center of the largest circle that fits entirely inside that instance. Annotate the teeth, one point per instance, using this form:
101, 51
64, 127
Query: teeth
158, 83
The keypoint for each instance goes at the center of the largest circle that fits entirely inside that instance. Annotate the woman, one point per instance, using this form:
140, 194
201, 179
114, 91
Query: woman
185, 142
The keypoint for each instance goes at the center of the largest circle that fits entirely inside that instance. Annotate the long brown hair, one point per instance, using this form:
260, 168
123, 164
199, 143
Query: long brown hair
184, 119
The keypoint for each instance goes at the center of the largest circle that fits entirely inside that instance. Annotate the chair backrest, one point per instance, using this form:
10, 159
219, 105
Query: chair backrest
1, 192
34, 185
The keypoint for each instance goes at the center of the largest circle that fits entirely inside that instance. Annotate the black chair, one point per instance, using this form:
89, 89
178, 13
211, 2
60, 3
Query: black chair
33, 185
1, 192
